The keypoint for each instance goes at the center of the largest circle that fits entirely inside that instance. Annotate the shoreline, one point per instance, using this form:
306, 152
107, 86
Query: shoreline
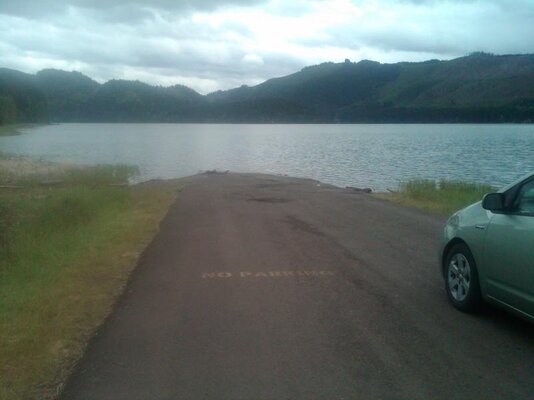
14, 129
423, 194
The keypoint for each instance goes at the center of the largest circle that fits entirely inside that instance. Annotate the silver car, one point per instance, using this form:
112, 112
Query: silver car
487, 251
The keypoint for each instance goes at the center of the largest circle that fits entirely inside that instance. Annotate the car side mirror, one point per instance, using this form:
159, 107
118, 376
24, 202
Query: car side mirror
493, 202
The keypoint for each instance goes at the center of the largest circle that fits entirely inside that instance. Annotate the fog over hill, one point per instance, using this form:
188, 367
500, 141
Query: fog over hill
477, 88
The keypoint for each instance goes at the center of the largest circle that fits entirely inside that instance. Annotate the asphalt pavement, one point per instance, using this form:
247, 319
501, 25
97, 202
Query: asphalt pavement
269, 287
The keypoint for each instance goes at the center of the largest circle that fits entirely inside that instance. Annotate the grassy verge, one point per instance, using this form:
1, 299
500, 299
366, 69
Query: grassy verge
442, 197
65, 253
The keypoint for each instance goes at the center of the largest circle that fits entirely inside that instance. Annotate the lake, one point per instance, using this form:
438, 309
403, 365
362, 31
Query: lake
377, 156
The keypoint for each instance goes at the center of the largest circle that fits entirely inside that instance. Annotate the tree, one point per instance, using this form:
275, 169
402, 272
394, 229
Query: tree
8, 110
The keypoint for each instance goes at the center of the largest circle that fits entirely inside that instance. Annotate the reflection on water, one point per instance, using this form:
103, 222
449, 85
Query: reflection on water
379, 156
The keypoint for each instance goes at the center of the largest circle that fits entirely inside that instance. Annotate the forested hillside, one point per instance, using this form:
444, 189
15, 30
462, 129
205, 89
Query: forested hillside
476, 88
20, 98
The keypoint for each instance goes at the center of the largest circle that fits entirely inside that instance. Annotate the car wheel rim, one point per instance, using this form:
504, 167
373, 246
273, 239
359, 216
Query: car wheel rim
459, 277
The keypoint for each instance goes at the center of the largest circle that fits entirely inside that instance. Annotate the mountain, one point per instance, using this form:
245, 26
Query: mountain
67, 93
324, 88
20, 98
120, 100
476, 88
73, 97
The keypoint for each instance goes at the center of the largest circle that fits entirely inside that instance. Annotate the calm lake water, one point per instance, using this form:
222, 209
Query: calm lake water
377, 156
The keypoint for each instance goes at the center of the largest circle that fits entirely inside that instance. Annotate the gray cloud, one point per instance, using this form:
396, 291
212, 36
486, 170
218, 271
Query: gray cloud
166, 50
210, 44
438, 28
120, 9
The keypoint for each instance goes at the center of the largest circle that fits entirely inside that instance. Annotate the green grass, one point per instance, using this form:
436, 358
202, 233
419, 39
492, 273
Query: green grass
21, 171
65, 254
441, 197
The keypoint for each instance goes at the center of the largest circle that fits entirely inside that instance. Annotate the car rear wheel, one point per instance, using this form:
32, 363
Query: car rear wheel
461, 279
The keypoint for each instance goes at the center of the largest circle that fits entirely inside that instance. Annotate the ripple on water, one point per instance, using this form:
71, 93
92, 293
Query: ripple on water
379, 156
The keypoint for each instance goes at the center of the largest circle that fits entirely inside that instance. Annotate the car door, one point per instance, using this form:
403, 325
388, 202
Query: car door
509, 253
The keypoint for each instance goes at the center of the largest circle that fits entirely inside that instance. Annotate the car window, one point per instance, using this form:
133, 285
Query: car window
525, 199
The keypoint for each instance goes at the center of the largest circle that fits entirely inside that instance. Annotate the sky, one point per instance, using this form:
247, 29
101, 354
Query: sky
212, 45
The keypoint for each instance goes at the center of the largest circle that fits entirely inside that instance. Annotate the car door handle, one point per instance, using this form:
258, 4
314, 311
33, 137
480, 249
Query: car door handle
481, 227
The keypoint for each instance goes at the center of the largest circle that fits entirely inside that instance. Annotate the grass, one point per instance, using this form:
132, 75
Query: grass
442, 197
65, 254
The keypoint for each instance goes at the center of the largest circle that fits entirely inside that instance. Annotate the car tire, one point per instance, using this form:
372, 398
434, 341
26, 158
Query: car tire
461, 279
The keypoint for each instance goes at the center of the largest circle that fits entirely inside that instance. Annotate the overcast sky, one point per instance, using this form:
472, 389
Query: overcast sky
210, 45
